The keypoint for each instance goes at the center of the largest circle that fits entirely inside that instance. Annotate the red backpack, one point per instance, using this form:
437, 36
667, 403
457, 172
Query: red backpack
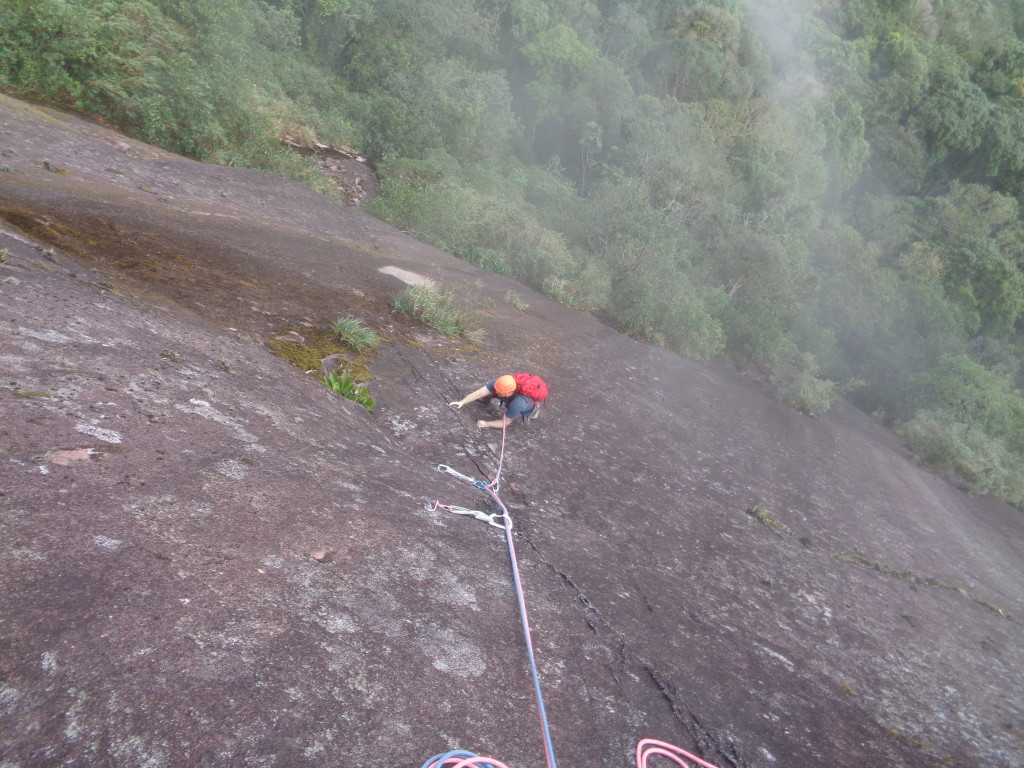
532, 386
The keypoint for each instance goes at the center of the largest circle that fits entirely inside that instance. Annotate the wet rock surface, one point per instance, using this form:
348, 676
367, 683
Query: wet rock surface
209, 559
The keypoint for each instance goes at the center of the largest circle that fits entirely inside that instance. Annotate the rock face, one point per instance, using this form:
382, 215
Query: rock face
207, 558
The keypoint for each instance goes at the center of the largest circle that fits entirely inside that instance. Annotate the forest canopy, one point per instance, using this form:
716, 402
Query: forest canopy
829, 191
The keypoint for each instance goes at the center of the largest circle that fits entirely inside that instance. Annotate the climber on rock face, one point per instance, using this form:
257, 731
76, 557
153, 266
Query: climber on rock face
519, 394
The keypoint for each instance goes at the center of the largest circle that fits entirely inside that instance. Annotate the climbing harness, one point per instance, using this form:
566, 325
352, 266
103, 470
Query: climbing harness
532, 413
463, 759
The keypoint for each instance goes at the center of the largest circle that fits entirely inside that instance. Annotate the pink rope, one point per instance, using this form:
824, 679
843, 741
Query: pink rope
501, 456
647, 747
549, 751
469, 762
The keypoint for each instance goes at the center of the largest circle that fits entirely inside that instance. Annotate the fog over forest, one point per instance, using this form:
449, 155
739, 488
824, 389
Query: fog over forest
828, 193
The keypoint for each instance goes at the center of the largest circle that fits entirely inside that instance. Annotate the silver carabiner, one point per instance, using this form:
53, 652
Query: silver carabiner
491, 518
456, 473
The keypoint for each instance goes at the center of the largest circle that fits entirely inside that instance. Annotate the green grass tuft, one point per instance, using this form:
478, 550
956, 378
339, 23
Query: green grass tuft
437, 307
351, 331
516, 301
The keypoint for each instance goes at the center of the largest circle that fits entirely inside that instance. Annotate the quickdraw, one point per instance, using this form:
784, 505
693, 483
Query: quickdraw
482, 485
491, 518
463, 759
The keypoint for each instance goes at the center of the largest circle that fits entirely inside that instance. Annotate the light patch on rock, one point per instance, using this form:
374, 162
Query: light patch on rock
14, 236
407, 277
200, 509
456, 593
155, 508
775, 655
48, 335
338, 623
134, 750
65, 458
48, 661
142, 388
107, 543
73, 728
817, 601
8, 698
28, 554
13, 363
450, 653
236, 470
207, 411
316, 748
273, 561
106, 435
401, 426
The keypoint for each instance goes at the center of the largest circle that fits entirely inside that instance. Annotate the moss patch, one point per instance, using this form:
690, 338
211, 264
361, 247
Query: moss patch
915, 579
32, 394
762, 516
317, 344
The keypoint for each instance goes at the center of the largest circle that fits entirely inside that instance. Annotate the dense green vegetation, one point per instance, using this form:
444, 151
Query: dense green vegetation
830, 191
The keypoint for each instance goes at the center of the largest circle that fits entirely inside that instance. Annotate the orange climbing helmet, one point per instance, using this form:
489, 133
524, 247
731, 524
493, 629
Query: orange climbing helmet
504, 386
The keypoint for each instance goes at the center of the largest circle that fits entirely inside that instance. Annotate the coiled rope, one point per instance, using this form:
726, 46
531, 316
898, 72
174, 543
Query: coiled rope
463, 759
645, 748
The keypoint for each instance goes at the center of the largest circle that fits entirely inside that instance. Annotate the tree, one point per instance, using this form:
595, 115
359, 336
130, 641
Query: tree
846, 150
971, 211
953, 111
899, 73
469, 113
985, 283
99, 58
558, 60
967, 391
765, 280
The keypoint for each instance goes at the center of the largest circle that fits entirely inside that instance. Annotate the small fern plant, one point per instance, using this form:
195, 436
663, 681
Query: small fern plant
346, 386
